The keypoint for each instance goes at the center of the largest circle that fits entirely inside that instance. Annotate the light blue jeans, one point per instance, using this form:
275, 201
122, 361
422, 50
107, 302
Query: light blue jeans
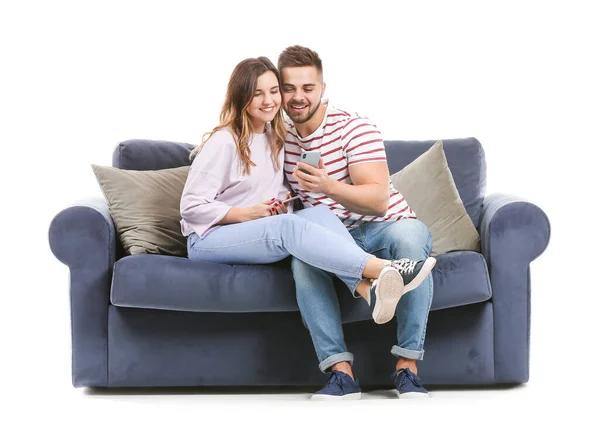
407, 238
271, 239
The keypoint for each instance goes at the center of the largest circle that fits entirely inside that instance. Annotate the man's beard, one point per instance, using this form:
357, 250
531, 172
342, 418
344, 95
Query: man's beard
296, 119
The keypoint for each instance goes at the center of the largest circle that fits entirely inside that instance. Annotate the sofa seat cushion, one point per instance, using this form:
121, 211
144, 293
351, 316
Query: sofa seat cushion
172, 283
459, 278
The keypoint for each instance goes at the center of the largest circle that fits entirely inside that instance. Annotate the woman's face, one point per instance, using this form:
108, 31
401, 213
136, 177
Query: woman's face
266, 101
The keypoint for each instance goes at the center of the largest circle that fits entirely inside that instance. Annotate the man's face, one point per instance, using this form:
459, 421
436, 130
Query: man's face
302, 91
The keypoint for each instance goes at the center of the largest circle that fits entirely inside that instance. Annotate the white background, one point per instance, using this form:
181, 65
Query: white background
76, 78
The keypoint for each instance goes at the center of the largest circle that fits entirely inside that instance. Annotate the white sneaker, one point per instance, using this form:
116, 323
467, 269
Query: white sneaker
401, 276
385, 293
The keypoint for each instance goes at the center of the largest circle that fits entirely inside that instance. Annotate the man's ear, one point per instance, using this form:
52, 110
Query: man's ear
323, 91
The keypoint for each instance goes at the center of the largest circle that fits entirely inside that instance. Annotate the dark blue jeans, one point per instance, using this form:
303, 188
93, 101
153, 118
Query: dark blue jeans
407, 238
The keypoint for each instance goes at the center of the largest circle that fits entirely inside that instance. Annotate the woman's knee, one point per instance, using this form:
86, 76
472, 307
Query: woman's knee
285, 223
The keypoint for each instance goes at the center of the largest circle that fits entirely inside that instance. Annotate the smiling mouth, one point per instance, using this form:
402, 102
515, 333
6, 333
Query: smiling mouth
267, 110
298, 107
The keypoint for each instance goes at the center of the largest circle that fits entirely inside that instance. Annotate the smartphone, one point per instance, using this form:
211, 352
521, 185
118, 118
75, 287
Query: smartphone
291, 199
311, 158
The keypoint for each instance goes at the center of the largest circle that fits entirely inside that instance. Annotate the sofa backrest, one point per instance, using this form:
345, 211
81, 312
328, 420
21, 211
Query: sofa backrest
465, 157
466, 161
146, 154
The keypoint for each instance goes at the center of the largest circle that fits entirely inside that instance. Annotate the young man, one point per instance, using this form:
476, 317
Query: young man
353, 180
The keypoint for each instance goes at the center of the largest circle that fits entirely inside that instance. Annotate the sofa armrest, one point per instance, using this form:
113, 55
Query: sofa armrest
83, 231
513, 233
509, 221
82, 236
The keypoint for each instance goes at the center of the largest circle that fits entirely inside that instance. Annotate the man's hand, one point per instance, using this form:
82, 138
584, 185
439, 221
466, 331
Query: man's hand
317, 180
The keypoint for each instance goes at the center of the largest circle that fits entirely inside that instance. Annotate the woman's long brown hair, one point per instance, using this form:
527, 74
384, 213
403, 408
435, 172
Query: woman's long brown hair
234, 114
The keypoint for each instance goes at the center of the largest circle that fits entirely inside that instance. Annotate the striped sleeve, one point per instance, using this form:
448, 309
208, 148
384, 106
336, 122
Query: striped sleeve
362, 142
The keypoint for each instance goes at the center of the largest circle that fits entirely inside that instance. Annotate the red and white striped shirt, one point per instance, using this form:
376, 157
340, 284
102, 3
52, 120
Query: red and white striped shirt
343, 140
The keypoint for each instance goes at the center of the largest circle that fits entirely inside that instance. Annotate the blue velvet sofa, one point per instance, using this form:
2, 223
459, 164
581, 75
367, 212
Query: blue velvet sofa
155, 320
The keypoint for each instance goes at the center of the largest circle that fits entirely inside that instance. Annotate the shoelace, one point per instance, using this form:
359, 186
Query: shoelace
408, 375
404, 266
334, 379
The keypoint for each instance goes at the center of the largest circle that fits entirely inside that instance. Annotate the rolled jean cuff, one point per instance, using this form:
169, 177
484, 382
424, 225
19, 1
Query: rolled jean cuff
336, 358
408, 354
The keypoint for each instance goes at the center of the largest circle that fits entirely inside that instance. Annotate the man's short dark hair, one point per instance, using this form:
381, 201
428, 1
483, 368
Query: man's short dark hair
299, 56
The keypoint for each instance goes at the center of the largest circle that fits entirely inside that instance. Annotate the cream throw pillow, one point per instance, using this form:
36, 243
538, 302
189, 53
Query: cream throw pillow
429, 189
144, 206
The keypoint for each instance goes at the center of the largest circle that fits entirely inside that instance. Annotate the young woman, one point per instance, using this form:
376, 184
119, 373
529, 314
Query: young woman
233, 208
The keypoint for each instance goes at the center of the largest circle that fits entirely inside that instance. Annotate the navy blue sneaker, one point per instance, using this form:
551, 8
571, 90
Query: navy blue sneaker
339, 386
408, 384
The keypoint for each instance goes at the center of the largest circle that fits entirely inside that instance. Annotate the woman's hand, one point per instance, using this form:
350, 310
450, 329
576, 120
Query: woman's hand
264, 209
280, 207
237, 215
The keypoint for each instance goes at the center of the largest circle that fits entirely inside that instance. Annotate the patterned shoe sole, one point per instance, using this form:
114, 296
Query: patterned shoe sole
388, 292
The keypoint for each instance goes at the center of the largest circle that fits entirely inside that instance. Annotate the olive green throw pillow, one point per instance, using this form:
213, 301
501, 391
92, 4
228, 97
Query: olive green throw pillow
428, 187
144, 206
